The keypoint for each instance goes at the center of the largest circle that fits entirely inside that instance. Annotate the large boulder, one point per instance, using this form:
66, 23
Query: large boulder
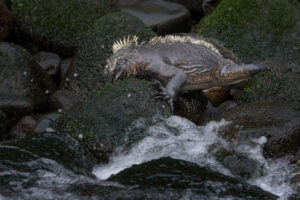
6, 21
256, 29
168, 173
163, 17
86, 72
58, 25
277, 121
100, 120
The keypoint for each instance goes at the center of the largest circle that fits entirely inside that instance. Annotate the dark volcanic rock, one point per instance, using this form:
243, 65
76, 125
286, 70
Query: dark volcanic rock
23, 128
180, 175
163, 17
23, 86
277, 121
6, 21
192, 5
58, 25
56, 146
49, 62
100, 119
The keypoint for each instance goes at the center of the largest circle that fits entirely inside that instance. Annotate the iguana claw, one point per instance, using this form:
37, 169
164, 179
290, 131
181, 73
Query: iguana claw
165, 94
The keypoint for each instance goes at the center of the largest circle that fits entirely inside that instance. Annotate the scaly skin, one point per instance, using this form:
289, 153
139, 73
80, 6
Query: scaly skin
183, 65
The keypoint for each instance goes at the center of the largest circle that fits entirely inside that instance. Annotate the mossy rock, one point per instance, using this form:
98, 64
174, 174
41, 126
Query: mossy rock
86, 73
256, 29
273, 85
101, 119
58, 25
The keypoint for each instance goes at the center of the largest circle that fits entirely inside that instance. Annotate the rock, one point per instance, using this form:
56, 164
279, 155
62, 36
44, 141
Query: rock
273, 85
277, 121
256, 30
61, 99
209, 5
65, 24
217, 95
6, 21
168, 173
227, 105
49, 62
191, 106
86, 72
163, 17
64, 67
23, 87
56, 146
195, 6
3, 124
100, 120
43, 125
23, 128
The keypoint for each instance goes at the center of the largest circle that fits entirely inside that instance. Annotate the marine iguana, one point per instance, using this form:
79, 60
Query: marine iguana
183, 62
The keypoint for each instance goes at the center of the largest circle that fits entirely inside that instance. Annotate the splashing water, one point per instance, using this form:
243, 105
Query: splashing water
179, 138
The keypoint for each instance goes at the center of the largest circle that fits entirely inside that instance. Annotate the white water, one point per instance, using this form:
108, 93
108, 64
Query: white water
179, 138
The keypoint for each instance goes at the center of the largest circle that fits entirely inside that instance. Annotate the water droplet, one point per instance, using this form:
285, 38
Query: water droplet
67, 79
47, 92
31, 80
129, 95
59, 110
102, 46
80, 136
75, 75
25, 73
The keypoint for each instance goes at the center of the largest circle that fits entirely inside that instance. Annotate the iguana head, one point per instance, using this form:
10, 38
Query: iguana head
123, 63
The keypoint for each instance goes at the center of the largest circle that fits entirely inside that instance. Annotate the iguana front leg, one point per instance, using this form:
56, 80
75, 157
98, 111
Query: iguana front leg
176, 77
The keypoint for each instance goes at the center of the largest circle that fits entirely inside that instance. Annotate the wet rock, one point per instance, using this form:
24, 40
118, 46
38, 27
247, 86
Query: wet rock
43, 125
65, 24
6, 21
195, 6
23, 87
49, 62
63, 99
217, 95
191, 106
168, 173
227, 105
86, 72
15, 107
256, 30
163, 17
56, 146
23, 128
100, 120
277, 121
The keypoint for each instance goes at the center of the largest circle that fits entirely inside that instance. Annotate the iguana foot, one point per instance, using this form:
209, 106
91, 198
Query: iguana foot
165, 94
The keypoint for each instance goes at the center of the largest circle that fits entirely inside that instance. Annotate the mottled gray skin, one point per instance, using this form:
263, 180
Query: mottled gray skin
185, 66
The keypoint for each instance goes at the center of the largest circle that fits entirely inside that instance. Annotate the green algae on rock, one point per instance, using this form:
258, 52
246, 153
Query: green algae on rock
86, 72
256, 29
101, 119
58, 25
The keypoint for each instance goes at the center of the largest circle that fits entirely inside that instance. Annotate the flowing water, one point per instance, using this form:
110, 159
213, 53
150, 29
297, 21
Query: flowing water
179, 138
